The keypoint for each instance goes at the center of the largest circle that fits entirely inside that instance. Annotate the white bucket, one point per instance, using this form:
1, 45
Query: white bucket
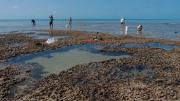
51, 40
126, 30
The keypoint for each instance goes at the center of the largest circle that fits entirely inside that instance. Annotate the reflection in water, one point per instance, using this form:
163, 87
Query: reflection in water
44, 35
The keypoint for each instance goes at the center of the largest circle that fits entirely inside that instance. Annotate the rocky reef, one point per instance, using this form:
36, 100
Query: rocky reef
149, 74
9, 77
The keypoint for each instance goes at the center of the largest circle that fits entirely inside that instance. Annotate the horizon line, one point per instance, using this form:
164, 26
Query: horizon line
87, 19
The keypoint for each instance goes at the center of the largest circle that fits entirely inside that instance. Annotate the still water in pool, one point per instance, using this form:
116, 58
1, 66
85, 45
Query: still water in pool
58, 60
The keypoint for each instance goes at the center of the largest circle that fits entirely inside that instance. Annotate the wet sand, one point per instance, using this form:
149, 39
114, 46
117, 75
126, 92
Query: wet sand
150, 74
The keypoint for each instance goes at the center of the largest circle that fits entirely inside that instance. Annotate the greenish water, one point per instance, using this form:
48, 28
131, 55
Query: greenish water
61, 62
55, 61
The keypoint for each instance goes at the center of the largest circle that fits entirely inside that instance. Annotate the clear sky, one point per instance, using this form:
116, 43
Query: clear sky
90, 9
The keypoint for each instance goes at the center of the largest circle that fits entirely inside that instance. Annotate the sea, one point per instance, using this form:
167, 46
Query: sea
153, 28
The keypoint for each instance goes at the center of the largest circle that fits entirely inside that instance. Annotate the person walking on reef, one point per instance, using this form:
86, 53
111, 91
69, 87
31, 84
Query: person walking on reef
51, 22
70, 23
123, 26
33, 22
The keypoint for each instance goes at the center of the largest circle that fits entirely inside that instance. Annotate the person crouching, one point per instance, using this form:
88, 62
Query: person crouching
139, 29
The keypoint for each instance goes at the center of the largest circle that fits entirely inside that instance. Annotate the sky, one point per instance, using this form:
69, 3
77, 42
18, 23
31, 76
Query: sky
90, 9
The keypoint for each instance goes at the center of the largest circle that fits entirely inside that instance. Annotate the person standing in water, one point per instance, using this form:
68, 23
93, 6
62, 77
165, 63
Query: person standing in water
123, 26
70, 23
51, 22
33, 22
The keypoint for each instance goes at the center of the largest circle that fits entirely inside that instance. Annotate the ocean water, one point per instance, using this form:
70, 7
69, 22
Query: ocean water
168, 29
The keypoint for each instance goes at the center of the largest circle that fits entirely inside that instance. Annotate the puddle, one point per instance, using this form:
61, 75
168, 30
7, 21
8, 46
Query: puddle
54, 61
150, 45
45, 35
29, 83
131, 72
41, 35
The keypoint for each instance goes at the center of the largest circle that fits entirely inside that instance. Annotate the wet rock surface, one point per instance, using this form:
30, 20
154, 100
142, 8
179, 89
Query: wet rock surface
150, 74
9, 77
18, 44
14, 45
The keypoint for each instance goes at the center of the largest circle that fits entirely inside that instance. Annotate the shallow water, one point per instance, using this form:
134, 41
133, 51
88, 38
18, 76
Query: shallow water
151, 45
131, 72
42, 35
47, 36
168, 29
58, 60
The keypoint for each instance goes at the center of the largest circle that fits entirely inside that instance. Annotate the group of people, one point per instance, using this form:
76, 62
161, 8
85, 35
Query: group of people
124, 28
51, 22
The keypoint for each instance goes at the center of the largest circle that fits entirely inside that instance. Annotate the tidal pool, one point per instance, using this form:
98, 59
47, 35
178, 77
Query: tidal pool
54, 61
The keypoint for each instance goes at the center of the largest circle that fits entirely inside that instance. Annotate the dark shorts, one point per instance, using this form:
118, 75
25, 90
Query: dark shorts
51, 23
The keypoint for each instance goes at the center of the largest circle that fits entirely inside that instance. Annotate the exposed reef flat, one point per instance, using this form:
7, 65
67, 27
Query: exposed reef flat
149, 74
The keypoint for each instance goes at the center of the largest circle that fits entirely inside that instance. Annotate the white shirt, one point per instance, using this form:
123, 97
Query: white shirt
122, 20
